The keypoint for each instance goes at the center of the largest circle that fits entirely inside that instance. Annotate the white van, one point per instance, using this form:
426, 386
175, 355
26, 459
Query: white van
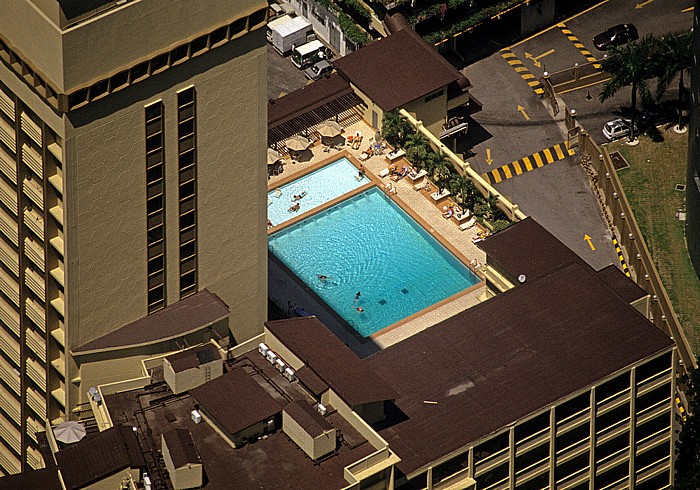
309, 53
278, 21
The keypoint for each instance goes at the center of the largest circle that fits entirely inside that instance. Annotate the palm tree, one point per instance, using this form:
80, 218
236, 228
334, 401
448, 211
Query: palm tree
630, 64
395, 128
675, 55
463, 189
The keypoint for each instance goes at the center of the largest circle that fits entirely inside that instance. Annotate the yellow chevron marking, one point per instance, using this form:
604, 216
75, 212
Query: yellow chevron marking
538, 159
534, 83
539, 91
521, 69
496, 176
527, 76
548, 155
516, 167
557, 150
506, 171
528, 164
515, 62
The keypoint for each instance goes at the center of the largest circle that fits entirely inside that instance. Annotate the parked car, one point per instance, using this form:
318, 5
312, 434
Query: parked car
319, 70
617, 129
616, 36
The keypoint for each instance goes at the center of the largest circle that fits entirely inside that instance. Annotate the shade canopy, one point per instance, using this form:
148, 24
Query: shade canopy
329, 129
297, 143
273, 156
69, 432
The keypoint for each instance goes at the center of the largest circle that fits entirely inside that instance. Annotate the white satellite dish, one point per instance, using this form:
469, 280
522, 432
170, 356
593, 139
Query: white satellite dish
522, 278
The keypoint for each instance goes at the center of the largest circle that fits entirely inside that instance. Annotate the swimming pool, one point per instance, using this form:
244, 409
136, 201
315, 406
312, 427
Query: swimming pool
320, 186
368, 244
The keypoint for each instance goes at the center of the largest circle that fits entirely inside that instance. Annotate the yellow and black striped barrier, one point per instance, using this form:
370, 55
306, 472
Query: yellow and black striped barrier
528, 163
579, 45
621, 256
681, 409
524, 73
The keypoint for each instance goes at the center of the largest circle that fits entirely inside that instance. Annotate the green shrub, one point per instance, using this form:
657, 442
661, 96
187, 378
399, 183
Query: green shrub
500, 224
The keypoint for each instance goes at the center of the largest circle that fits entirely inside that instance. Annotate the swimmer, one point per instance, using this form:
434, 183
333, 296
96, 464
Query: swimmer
359, 309
299, 196
294, 208
322, 278
357, 296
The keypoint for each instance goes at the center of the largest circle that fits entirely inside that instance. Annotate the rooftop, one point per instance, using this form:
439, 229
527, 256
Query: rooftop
254, 465
402, 60
188, 315
331, 360
504, 359
308, 418
236, 401
621, 284
99, 456
194, 357
182, 448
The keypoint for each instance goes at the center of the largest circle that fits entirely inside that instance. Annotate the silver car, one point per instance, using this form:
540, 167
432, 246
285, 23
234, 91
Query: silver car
319, 70
617, 129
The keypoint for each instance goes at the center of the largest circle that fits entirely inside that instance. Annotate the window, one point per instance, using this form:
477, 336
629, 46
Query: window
434, 96
155, 206
187, 178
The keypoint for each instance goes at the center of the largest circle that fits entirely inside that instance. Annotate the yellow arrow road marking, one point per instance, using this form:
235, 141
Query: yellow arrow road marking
689, 9
489, 160
536, 59
640, 5
522, 111
590, 243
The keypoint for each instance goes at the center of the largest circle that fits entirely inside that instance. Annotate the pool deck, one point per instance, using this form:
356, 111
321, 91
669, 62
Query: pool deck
418, 204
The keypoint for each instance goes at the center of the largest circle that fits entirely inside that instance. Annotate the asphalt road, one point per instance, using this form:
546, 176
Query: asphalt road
282, 76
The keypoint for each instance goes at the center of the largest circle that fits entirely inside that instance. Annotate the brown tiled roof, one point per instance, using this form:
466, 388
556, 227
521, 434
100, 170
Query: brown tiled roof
185, 316
99, 456
44, 479
311, 381
308, 418
235, 401
397, 69
181, 447
621, 284
503, 359
309, 339
194, 357
526, 248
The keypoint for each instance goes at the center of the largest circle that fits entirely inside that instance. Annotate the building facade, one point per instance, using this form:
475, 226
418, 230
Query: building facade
692, 194
132, 138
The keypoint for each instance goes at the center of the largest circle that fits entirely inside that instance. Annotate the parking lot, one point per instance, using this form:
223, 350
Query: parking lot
282, 76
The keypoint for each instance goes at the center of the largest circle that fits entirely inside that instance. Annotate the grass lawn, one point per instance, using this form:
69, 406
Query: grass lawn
649, 182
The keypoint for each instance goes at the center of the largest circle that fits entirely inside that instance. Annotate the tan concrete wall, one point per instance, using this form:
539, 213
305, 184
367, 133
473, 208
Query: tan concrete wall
191, 378
112, 482
278, 348
314, 447
184, 477
108, 371
432, 113
105, 170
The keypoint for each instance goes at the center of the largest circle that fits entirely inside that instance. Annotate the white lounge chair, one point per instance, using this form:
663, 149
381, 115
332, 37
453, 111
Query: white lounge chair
462, 215
437, 195
422, 186
277, 192
384, 173
417, 175
468, 224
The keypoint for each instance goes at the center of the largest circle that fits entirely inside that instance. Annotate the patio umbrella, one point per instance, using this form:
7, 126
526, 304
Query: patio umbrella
273, 156
329, 129
68, 432
297, 143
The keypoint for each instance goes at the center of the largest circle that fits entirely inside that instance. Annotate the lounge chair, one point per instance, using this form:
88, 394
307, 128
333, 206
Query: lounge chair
277, 192
437, 195
423, 186
417, 175
384, 173
461, 215
468, 224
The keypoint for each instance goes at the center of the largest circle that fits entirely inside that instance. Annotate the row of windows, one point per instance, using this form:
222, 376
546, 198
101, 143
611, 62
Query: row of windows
155, 205
187, 167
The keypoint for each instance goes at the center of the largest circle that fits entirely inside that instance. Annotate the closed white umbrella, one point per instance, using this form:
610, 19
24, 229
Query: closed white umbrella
297, 143
329, 129
69, 432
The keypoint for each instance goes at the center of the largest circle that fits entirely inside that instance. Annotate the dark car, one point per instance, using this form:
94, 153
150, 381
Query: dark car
616, 36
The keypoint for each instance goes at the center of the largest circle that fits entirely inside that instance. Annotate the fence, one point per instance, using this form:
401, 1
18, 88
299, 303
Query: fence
623, 225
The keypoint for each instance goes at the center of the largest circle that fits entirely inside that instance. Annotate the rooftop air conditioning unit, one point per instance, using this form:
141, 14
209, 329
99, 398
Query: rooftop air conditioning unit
322, 409
271, 357
263, 348
196, 416
289, 374
280, 365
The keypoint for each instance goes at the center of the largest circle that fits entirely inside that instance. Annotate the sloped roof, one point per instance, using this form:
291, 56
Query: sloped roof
397, 69
236, 401
504, 359
308, 418
309, 339
181, 447
194, 357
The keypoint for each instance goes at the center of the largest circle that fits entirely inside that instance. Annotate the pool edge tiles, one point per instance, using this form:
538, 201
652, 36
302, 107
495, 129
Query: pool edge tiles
405, 269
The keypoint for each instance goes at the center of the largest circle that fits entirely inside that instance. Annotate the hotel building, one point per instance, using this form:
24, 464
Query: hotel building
132, 183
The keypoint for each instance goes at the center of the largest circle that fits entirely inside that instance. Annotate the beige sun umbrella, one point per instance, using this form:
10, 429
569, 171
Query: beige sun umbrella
329, 129
297, 143
273, 156
69, 432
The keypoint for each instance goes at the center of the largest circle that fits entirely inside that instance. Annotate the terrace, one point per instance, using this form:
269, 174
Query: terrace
417, 203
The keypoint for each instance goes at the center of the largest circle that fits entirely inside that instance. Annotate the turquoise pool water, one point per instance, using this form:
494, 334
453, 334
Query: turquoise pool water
368, 244
320, 186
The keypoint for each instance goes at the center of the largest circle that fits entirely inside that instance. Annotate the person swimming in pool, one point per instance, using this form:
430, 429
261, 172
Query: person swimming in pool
357, 296
299, 196
359, 309
294, 208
